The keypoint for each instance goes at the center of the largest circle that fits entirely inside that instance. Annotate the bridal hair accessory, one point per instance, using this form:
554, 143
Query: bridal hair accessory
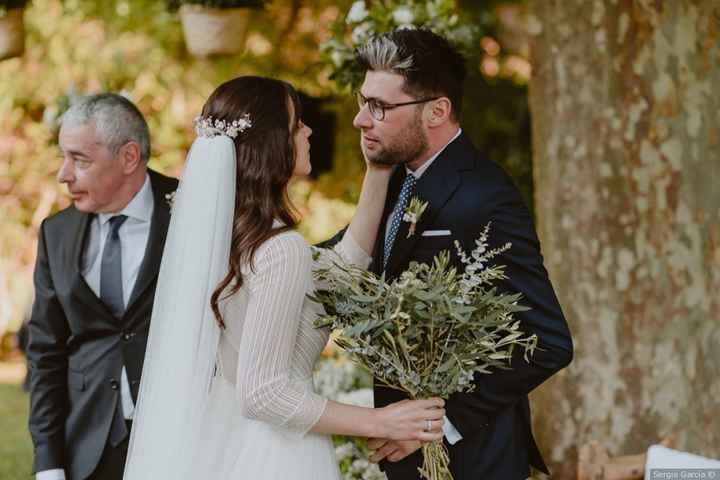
207, 127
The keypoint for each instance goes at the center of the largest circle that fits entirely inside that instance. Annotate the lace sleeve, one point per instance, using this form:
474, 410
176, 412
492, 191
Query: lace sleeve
277, 288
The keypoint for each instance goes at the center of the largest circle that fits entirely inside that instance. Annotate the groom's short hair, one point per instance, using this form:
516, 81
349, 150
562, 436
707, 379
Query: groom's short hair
429, 64
117, 121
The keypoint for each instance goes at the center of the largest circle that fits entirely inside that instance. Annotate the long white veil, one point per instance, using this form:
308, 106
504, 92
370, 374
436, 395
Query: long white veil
183, 338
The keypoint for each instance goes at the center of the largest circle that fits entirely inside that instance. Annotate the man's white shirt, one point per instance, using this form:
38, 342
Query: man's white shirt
134, 234
451, 433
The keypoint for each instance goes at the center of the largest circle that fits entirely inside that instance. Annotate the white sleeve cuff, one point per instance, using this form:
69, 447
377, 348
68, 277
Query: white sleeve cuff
54, 474
351, 252
451, 433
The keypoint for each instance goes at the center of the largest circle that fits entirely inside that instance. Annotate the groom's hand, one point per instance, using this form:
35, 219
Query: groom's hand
393, 450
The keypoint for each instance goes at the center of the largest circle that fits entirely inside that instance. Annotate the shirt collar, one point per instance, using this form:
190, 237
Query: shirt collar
140, 207
420, 170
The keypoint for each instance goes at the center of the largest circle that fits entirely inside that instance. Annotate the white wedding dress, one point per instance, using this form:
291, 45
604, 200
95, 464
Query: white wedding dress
262, 402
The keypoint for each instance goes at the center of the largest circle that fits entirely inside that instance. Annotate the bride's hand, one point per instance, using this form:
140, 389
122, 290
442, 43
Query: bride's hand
420, 420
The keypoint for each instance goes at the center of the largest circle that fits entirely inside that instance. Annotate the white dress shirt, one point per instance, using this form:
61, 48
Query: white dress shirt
134, 234
451, 433
417, 173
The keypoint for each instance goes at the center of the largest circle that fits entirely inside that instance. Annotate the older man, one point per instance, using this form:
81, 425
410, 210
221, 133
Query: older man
95, 276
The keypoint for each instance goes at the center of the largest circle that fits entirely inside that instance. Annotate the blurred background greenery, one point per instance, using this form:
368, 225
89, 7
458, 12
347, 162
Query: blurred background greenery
77, 47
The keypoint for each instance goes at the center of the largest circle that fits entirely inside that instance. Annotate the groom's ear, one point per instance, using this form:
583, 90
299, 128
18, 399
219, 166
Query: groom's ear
440, 111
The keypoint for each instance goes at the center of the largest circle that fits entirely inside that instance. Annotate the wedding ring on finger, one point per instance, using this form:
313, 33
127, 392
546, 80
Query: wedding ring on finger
428, 426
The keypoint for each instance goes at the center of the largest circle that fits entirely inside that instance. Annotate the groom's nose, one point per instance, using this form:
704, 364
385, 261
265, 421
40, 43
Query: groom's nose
363, 119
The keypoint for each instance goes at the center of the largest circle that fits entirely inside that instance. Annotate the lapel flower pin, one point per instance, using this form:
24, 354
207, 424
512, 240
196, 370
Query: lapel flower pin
170, 199
413, 212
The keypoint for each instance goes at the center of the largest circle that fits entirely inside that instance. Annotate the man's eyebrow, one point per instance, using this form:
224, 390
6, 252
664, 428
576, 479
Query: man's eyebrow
77, 153
380, 100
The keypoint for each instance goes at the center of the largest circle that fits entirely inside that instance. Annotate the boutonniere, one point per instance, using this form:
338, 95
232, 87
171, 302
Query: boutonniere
170, 199
413, 212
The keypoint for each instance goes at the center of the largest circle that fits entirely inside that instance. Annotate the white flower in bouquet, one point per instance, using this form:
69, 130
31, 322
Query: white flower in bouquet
357, 13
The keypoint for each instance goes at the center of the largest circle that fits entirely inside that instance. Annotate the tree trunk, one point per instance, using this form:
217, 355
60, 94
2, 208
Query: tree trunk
625, 101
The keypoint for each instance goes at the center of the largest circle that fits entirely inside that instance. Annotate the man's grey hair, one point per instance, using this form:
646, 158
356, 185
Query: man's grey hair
382, 54
117, 121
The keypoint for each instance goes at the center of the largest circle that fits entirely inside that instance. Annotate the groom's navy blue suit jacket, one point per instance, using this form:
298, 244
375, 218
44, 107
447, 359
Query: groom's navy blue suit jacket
465, 191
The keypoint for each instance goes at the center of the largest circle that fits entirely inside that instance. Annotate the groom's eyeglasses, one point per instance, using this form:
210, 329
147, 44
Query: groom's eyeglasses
378, 108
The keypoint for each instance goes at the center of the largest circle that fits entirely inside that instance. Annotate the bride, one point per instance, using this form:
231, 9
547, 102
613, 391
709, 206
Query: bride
227, 388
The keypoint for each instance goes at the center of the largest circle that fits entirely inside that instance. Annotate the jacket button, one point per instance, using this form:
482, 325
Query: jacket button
114, 384
126, 336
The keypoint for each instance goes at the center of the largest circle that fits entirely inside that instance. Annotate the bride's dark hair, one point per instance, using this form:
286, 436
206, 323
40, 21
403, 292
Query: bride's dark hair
265, 164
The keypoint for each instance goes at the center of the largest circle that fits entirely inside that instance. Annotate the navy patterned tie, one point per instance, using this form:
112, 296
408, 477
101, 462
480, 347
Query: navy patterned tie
111, 287
408, 187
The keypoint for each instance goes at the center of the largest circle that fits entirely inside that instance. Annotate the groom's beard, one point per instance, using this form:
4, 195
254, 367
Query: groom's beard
406, 147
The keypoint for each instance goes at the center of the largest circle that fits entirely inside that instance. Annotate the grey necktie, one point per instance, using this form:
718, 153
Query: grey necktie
408, 187
111, 287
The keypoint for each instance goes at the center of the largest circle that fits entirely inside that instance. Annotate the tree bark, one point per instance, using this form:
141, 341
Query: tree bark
625, 101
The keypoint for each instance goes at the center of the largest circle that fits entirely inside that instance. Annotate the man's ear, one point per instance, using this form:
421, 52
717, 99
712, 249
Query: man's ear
130, 157
439, 112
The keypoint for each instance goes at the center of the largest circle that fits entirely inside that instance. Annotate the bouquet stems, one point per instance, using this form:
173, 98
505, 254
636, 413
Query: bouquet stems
436, 463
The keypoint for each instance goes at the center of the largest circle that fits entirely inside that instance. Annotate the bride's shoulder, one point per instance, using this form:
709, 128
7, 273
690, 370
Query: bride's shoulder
285, 246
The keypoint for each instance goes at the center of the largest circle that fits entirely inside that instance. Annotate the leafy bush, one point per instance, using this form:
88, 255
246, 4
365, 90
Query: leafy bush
174, 4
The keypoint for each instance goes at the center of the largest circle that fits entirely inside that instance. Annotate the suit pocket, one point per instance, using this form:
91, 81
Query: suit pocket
436, 243
76, 380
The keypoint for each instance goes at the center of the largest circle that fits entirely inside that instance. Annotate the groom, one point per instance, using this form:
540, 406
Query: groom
95, 276
411, 101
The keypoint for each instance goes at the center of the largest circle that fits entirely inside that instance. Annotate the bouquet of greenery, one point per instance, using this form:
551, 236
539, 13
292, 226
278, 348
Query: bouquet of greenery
428, 332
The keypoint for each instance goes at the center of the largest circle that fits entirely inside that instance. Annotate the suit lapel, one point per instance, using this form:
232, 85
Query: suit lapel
156, 241
436, 186
80, 227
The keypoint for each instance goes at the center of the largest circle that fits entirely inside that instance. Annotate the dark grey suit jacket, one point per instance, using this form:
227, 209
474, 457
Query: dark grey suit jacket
76, 347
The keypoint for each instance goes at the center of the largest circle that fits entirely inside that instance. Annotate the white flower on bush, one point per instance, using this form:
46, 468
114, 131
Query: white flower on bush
362, 33
362, 397
346, 450
333, 378
337, 58
358, 12
403, 16
361, 468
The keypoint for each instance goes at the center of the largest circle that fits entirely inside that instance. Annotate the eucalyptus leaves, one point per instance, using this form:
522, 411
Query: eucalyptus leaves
428, 332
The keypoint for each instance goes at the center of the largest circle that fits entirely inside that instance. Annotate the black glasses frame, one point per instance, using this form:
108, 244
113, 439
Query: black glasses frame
378, 108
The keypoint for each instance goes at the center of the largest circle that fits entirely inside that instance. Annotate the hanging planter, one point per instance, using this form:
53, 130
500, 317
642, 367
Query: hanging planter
215, 27
12, 28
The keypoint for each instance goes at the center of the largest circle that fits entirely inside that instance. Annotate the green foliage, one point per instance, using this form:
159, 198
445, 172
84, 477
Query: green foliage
16, 447
429, 331
364, 19
174, 4
77, 47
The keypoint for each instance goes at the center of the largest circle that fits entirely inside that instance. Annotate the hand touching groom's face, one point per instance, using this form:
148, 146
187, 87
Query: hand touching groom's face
398, 138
